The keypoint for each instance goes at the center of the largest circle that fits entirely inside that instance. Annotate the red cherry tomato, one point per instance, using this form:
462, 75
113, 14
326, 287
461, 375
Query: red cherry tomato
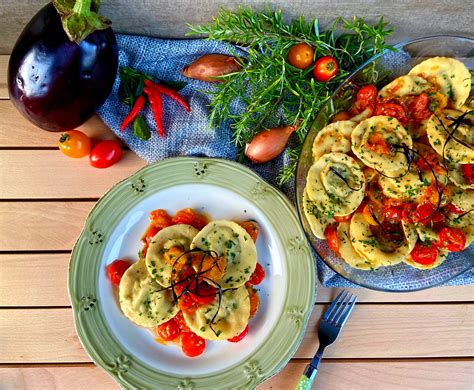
203, 294
453, 209
467, 171
423, 213
105, 154
116, 270
331, 236
366, 96
345, 218
179, 318
150, 233
394, 214
425, 255
192, 344
301, 55
254, 299
251, 228
240, 336
160, 218
257, 275
325, 68
419, 107
169, 330
187, 304
392, 110
190, 217
451, 238
74, 143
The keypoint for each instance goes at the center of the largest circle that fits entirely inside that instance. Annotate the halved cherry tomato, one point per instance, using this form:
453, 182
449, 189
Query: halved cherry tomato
453, 209
160, 218
169, 330
240, 336
192, 344
453, 239
254, 299
257, 275
116, 270
325, 68
419, 107
301, 55
345, 218
407, 212
394, 214
366, 96
150, 233
425, 255
467, 171
392, 110
74, 143
251, 228
423, 213
203, 294
179, 318
187, 304
331, 236
190, 217
341, 116
105, 154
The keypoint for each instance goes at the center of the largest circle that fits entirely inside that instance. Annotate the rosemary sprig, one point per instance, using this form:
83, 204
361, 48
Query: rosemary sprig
274, 92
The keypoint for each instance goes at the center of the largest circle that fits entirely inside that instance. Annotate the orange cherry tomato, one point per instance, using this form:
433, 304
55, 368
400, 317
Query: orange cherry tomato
190, 217
240, 336
74, 143
257, 275
187, 304
345, 218
105, 154
160, 218
116, 270
169, 330
191, 344
392, 110
203, 294
301, 55
251, 228
451, 238
331, 236
366, 97
425, 255
325, 68
341, 116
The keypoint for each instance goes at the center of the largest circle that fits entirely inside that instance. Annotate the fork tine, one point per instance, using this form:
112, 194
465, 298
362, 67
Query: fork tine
347, 310
340, 309
331, 309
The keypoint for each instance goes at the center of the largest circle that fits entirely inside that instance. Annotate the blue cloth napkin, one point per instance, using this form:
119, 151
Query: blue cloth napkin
189, 134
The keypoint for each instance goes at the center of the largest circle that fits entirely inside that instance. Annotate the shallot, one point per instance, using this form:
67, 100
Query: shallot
210, 66
268, 144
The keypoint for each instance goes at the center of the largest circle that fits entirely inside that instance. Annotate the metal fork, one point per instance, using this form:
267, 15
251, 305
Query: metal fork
329, 328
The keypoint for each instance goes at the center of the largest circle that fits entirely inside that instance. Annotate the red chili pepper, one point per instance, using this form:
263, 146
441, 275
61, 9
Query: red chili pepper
156, 103
171, 93
137, 107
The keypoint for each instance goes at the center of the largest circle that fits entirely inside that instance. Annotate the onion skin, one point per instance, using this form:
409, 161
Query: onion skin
268, 144
210, 66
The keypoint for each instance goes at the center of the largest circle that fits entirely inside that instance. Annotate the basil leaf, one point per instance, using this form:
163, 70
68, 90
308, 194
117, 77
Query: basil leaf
140, 129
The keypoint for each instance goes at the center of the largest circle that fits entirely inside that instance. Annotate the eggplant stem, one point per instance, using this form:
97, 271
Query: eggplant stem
82, 7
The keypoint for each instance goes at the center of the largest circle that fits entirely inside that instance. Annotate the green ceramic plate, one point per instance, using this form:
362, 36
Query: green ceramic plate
222, 189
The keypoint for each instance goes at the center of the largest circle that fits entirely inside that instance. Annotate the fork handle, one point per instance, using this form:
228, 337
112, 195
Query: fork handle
307, 379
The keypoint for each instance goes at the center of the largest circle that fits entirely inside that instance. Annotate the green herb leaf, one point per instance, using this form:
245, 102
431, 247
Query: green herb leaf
140, 128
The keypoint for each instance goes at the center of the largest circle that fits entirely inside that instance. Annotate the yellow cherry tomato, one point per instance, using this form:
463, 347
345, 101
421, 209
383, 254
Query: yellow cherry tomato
74, 143
301, 55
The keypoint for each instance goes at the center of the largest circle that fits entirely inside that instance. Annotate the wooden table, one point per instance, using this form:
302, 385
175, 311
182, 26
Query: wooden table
422, 340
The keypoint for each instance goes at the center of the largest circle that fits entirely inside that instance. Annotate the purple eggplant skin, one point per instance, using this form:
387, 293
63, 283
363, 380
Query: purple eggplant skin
55, 83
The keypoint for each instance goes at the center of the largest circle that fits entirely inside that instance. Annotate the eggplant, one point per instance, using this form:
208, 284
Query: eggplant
58, 83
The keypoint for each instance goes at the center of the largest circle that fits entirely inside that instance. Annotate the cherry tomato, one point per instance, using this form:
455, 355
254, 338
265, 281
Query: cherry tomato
240, 336
325, 68
179, 318
254, 299
257, 275
341, 116
407, 212
425, 255
378, 144
190, 217
453, 209
150, 233
105, 154
301, 55
345, 218
393, 214
467, 171
116, 270
192, 344
187, 304
423, 213
366, 96
392, 110
331, 236
203, 294
453, 239
160, 218
169, 330
74, 143
419, 107
251, 228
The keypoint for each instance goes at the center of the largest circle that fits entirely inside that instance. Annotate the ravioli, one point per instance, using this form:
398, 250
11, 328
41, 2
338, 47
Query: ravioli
466, 224
367, 245
176, 235
442, 255
142, 300
405, 85
335, 137
381, 130
450, 75
463, 199
317, 220
438, 129
231, 319
455, 176
336, 184
347, 251
229, 240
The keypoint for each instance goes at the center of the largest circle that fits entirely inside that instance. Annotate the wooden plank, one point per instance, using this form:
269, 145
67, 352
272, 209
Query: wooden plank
16, 131
3, 76
439, 375
41, 225
24, 289
53, 175
373, 331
